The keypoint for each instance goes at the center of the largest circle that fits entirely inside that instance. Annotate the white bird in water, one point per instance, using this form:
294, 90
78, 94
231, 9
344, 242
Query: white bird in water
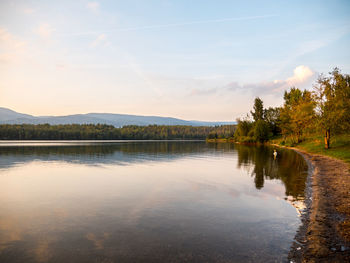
274, 154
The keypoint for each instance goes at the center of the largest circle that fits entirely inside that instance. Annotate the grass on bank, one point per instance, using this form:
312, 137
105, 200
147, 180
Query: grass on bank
221, 140
340, 146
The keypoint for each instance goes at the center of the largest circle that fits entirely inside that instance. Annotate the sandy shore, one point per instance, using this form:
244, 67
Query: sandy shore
324, 235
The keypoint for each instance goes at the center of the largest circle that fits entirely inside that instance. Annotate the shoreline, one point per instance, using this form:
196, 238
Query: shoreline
323, 235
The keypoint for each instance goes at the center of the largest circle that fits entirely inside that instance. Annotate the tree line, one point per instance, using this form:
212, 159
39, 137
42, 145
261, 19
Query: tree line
108, 132
323, 109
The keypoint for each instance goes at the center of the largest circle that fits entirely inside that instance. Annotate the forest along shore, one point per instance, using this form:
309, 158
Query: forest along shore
324, 235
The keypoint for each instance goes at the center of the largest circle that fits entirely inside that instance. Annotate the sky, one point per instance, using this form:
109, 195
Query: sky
195, 60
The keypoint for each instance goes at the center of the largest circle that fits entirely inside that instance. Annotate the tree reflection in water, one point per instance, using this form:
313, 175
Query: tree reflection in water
153, 201
289, 167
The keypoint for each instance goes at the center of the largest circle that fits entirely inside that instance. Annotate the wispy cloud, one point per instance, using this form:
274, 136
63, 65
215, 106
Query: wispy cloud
328, 36
44, 31
100, 40
207, 91
182, 24
197, 22
301, 76
9, 40
10, 46
29, 10
93, 6
61, 66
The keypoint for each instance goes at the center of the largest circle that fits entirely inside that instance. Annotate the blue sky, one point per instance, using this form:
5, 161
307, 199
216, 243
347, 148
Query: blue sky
204, 60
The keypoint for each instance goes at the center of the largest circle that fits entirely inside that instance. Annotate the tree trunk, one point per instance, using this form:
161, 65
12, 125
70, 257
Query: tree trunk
300, 134
327, 139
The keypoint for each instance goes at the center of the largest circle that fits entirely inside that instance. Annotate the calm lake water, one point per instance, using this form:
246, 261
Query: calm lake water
147, 202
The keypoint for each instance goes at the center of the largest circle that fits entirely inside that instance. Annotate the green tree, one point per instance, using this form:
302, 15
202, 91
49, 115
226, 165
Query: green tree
273, 117
298, 113
261, 131
258, 109
244, 126
332, 94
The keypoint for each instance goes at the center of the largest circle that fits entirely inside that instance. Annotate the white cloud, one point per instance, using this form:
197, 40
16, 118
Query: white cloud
44, 31
93, 6
8, 40
301, 77
10, 46
210, 91
101, 40
302, 74
29, 10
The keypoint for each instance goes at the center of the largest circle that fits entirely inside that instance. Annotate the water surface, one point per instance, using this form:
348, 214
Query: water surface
147, 202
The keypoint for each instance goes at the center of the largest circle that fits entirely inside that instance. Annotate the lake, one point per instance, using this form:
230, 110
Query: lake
138, 201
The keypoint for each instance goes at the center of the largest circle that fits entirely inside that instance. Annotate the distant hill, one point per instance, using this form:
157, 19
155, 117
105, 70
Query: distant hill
8, 116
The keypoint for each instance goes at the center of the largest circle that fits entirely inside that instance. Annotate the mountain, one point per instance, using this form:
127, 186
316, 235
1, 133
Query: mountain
8, 116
